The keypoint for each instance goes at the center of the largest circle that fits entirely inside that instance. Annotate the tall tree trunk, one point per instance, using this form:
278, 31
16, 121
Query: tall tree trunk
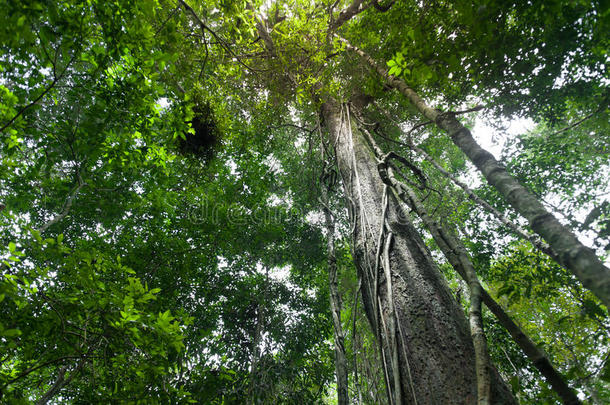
457, 256
254, 387
335, 302
571, 253
427, 350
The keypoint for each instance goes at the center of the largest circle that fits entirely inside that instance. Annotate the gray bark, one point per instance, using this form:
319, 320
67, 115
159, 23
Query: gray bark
431, 340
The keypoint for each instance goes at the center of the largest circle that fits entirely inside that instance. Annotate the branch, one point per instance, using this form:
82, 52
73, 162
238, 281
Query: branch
66, 207
32, 369
418, 173
37, 99
309, 131
473, 109
169, 17
223, 43
64, 212
344, 16
516, 229
575, 124
61, 382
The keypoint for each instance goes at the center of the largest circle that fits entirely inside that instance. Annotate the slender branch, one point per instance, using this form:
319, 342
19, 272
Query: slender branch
466, 111
64, 212
30, 370
66, 208
580, 121
309, 131
224, 44
522, 233
61, 382
56, 79
169, 17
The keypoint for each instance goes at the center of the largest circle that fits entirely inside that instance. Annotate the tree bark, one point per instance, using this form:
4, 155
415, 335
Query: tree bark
571, 253
425, 338
457, 256
482, 360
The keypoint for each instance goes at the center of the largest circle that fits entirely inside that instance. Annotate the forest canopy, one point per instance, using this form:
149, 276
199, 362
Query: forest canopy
304, 201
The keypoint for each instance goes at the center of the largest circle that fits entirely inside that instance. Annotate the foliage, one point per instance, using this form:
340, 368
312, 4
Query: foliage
135, 273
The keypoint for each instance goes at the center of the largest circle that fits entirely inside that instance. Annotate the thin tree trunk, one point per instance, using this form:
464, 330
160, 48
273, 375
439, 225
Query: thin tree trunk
335, 302
60, 382
571, 253
255, 375
456, 254
431, 341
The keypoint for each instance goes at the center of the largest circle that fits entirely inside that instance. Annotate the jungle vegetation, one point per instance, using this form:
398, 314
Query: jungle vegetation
293, 202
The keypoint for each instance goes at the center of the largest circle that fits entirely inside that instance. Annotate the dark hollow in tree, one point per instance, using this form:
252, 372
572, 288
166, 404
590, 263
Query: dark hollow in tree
207, 137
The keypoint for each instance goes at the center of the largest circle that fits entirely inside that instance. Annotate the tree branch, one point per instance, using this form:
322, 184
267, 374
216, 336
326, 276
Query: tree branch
66, 207
223, 43
56, 79
345, 15
61, 382
575, 124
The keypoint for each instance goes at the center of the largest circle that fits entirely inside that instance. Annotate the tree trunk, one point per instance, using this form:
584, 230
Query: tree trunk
427, 351
457, 256
335, 303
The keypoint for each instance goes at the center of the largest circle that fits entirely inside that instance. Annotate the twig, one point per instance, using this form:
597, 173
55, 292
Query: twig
575, 123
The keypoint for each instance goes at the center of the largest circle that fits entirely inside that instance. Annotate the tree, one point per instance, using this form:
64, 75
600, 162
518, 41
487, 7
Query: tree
162, 160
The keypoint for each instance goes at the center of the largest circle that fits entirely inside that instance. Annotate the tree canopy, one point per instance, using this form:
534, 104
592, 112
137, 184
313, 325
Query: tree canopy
285, 201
